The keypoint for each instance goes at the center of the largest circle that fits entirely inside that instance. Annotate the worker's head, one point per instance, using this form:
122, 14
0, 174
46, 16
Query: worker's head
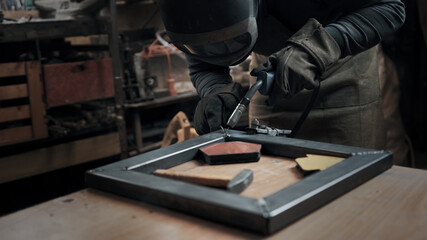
221, 32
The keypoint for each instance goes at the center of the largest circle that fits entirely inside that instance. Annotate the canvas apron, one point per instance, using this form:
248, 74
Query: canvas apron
347, 110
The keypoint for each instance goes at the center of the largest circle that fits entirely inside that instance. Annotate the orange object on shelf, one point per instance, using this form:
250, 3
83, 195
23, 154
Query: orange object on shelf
171, 87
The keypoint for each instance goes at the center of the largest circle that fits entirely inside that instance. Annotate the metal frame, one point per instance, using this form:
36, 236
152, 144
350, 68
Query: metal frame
133, 178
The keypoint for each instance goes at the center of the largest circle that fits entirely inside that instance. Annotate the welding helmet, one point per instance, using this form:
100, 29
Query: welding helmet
221, 32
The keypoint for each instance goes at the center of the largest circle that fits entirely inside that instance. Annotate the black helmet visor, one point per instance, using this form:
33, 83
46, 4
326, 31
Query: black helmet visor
222, 48
221, 32
227, 46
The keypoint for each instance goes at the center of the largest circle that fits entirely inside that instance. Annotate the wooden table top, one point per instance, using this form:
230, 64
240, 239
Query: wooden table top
393, 205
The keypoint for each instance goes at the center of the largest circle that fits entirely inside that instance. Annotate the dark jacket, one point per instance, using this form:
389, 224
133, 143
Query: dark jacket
356, 25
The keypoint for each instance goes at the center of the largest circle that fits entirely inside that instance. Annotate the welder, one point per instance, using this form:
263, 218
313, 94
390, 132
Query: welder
302, 42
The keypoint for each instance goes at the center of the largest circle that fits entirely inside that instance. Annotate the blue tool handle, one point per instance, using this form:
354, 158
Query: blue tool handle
267, 79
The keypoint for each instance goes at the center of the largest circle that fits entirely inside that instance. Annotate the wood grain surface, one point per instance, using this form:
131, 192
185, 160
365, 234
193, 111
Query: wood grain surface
270, 174
393, 205
36, 97
204, 179
47, 159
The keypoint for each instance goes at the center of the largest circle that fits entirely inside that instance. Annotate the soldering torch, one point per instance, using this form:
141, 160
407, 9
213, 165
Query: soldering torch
263, 84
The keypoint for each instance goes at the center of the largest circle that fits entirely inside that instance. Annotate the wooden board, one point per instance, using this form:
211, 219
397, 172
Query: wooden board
270, 173
14, 113
36, 108
220, 180
35, 89
12, 69
63, 155
17, 14
15, 135
13, 91
88, 40
50, 28
393, 205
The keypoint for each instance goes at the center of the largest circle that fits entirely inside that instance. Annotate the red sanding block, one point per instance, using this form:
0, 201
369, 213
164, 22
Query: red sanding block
231, 152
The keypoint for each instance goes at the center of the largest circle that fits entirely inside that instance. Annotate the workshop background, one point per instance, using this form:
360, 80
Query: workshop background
86, 83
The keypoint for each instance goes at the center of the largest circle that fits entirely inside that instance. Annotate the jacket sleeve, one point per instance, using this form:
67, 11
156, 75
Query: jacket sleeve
207, 77
365, 27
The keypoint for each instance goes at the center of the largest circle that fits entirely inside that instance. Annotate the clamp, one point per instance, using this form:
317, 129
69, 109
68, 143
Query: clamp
263, 129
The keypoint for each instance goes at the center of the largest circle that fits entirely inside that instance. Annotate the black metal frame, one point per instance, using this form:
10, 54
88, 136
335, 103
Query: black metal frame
133, 178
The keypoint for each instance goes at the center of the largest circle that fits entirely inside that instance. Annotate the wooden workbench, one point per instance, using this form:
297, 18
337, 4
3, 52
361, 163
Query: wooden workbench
393, 205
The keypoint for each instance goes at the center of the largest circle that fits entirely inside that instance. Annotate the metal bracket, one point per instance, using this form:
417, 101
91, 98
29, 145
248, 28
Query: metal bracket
263, 129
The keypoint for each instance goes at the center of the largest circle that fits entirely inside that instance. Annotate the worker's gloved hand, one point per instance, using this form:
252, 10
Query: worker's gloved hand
306, 56
213, 111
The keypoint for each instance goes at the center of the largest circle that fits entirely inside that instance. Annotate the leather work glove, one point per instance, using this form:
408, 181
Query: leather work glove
306, 56
214, 110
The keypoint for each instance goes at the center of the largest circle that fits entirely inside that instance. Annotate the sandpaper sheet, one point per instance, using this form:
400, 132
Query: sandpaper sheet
314, 162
